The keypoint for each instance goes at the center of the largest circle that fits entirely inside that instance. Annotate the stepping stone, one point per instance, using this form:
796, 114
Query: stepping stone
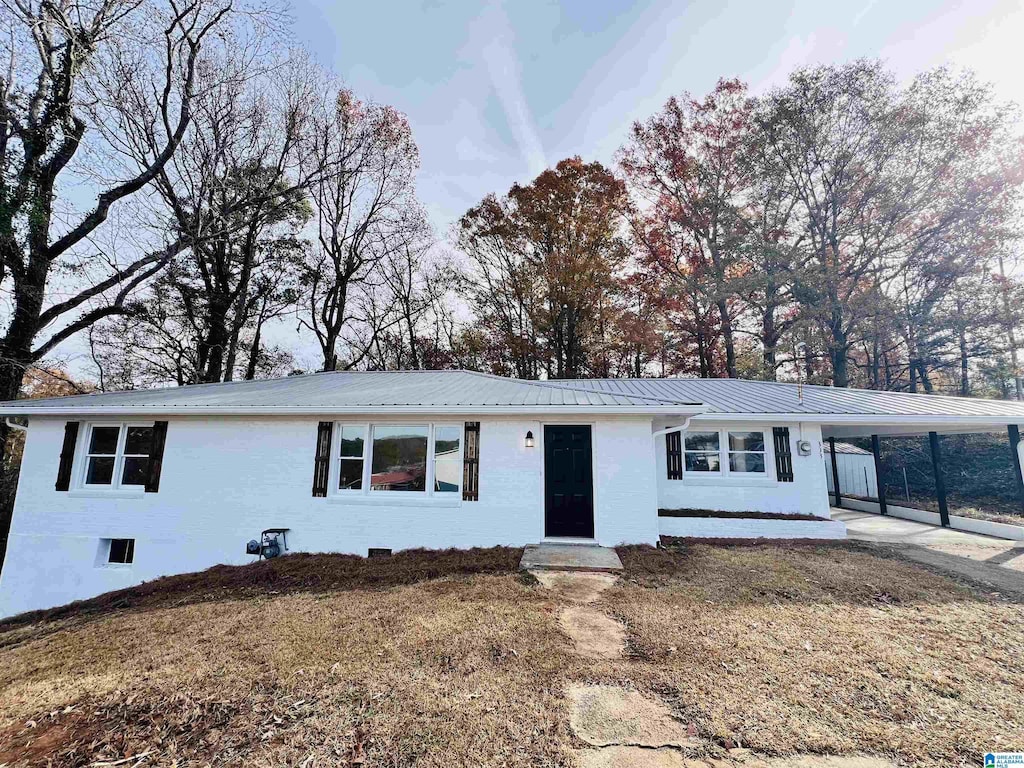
633, 757
606, 715
595, 635
817, 761
576, 587
639, 757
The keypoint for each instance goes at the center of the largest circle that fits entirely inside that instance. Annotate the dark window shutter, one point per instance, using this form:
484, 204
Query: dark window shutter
471, 462
783, 455
322, 463
156, 456
674, 455
67, 456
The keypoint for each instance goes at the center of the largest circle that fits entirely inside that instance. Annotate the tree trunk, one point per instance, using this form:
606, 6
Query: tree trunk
730, 346
965, 382
254, 354
1011, 336
702, 356
216, 342
837, 353
770, 340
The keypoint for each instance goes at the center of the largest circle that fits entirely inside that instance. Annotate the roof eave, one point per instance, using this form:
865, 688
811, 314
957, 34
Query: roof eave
425, 410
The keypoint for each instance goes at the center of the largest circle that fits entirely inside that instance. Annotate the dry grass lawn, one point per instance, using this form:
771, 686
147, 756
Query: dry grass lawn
780, 649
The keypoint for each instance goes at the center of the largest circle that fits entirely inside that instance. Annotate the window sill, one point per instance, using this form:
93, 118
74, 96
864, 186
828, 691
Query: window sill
387, 501
115, 566
731, 480
99, 493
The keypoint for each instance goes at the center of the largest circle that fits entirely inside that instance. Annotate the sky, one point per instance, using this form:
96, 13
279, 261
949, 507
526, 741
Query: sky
497, 92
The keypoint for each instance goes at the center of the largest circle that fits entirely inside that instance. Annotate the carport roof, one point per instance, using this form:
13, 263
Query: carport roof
743, 396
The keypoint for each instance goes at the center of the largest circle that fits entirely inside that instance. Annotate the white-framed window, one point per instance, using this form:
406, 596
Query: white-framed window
747, 452
116, 455
351, 456
702, 452
725, 452
447, 458
395, 458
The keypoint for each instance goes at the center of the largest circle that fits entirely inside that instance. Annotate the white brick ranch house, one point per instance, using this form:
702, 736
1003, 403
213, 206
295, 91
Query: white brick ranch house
120, 488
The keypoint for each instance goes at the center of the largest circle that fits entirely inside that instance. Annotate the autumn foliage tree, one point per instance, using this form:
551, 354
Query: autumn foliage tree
690, 183
545, 264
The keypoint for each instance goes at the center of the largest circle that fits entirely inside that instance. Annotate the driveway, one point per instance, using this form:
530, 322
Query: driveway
998, 563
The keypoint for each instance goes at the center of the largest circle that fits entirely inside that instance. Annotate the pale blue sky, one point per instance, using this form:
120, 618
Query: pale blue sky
498, 91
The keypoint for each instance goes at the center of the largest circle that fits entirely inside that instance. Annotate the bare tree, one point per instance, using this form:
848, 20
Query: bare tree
365, 213
237, 194
55, 99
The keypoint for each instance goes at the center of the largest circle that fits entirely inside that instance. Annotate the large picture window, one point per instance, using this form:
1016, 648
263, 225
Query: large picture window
117, 455
399, 458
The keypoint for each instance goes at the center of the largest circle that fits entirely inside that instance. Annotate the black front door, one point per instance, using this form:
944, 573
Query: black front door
568, 482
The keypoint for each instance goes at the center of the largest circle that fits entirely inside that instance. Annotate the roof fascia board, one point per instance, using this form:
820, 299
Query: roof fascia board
390, 410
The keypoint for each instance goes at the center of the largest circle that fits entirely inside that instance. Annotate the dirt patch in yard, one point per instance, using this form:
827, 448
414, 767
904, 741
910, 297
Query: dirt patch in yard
575, 586
594, 635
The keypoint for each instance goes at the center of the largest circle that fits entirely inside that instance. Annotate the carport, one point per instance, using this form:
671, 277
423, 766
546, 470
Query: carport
934, 428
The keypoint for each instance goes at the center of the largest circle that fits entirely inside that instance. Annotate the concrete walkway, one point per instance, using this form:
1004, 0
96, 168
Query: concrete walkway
996, 563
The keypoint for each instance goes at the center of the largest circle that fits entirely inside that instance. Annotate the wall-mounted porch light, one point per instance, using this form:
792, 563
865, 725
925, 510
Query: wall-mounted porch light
529, 439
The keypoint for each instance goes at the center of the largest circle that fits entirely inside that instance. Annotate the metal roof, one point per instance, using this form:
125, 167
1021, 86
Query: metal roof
742, 396
332, 392
469, 392
851, 449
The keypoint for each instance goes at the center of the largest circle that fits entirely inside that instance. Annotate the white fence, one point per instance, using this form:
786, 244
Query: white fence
856, 473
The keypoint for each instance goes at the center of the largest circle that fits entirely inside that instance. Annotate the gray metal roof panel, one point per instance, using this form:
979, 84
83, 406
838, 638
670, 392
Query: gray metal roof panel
345, 389
851, 449
465, 389
742, 396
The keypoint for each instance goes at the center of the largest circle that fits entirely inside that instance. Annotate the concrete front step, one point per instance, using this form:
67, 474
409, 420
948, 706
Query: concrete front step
570, 557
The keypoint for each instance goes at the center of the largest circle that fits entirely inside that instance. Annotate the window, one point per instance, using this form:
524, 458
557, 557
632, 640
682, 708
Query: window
447, 459
746, 452
720, 452
702, 452
353, 454
121, 552
399, 458
117, 455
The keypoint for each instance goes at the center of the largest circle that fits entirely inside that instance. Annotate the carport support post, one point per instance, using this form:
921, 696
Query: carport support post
1014, 440
835, 472
876, 449
940, 481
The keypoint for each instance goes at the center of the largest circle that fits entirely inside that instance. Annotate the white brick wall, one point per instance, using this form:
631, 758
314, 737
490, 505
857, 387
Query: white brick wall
224, 480
724, 528
807, 493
